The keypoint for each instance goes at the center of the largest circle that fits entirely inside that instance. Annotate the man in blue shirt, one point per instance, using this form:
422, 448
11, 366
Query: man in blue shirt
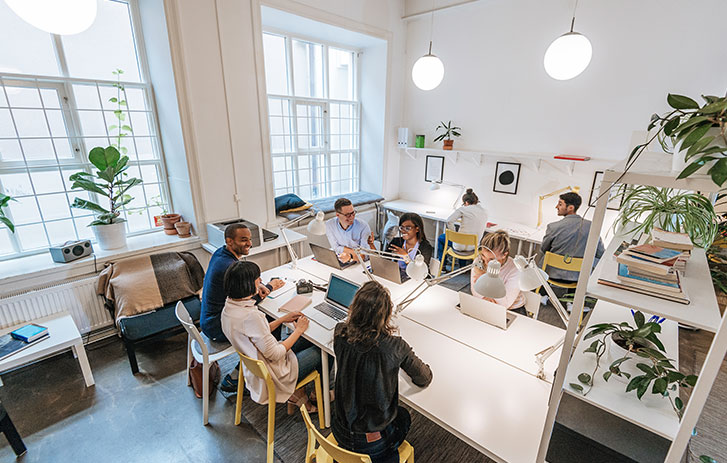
238, 241
345, 232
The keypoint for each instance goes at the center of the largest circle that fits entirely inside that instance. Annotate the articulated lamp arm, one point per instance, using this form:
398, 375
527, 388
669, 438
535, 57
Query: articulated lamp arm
575, 189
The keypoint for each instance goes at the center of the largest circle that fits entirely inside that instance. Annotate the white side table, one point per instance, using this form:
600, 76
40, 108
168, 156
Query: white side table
63, 334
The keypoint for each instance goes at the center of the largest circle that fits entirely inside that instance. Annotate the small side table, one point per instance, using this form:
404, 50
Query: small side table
63, 334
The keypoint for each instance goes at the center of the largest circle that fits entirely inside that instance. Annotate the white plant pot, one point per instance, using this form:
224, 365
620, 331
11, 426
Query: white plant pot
615, 352
678, 163
110, 236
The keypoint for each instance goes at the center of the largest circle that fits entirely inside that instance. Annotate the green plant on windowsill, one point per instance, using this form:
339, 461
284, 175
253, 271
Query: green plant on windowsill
4, 200
639, 342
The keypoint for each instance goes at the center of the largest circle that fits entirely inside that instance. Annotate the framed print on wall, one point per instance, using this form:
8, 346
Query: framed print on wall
507, 176
614, 199
434, 170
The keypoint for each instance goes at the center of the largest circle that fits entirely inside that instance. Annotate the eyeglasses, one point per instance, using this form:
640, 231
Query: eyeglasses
348, 216
405, 228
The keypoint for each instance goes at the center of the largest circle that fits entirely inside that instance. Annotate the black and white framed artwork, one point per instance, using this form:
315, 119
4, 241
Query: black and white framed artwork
434, 170
614, 198
507, 175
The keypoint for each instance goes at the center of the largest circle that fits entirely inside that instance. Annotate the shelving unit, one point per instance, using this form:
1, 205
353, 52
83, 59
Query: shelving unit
651, 169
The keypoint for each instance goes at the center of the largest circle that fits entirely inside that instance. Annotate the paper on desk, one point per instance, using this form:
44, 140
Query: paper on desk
287, 286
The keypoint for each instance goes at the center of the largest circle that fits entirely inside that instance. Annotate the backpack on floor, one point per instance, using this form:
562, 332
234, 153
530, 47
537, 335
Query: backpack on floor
195, 377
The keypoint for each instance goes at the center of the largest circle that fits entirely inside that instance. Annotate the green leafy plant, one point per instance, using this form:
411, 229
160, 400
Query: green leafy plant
716, 258
110, 180
449, 131
4, 200
706, 459
640, 342
687, 125
157, 201
668, 209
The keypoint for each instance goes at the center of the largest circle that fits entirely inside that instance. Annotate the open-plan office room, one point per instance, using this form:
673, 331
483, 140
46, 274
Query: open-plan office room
363, 230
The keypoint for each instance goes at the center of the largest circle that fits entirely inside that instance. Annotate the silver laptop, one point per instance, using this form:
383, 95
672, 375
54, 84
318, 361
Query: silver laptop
334, 308
485, 311
387, 269
329, 257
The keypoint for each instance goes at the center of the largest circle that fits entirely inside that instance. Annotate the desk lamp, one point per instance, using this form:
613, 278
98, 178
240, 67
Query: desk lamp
315, 227
436, 186
574, 189
416, 269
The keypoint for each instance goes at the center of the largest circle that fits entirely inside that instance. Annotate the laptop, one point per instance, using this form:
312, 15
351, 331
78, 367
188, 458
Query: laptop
329, 257
485, 311
334, 308
387, 269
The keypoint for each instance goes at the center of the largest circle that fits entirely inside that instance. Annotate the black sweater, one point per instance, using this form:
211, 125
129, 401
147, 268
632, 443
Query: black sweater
367, 381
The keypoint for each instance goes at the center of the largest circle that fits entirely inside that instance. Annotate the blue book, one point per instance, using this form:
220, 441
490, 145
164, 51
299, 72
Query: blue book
29, 332
624, 274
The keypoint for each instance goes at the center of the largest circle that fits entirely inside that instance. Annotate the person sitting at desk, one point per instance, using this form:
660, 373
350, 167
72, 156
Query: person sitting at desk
497, 246
288, 361
411, 241
367, 417
568, 237
345, 232
472, 219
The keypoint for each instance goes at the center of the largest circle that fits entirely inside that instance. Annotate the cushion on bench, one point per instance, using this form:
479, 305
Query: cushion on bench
141, 326
359, 198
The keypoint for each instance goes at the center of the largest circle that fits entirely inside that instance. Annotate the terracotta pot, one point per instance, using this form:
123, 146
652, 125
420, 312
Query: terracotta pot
184, 229
448, 144
169, 220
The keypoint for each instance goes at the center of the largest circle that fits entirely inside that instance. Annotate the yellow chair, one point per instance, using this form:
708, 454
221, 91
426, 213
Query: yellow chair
558, 261
258, 368
329, 451
465, 239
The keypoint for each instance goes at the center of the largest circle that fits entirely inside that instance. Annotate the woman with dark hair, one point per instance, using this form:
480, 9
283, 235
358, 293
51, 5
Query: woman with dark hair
412, 240
472, 219
288, 361
367, 416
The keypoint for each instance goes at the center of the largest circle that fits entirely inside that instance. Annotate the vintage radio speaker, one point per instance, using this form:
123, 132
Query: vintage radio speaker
70, 250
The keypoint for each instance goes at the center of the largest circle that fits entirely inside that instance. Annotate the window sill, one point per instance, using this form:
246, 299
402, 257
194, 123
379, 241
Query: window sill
32, 271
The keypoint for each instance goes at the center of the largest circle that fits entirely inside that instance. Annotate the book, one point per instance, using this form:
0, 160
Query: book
296, 304
653, 253
670, 277
671, 240
9, 345
29, 332
674, 298
648, 283
634, 262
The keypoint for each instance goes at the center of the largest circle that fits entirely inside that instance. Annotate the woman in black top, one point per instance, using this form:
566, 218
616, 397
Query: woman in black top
367, 416
412, 239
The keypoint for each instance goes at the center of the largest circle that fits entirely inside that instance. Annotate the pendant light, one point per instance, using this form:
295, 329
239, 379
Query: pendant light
569, 54
62, 17
428, 71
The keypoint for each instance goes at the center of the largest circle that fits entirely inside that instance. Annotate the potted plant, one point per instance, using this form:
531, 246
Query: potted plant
449, 132
697, 135
183, 228
4, 200
637, 356
110, 181
668, 209
166, 220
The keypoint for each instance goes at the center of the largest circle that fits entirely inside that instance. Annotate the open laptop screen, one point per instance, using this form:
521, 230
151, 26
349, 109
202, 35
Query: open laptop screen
341, 291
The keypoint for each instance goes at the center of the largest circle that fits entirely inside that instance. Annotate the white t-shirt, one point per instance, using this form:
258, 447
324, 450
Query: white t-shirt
473, 219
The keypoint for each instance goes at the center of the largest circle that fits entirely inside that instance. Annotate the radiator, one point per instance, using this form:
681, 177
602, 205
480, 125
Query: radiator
78, 298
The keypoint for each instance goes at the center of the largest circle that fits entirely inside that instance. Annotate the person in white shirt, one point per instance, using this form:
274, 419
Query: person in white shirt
472, 219
497, 246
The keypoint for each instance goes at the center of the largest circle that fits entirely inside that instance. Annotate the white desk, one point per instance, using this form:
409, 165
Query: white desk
62, 334
295, 239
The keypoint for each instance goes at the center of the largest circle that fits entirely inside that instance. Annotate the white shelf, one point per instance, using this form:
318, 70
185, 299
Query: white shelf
651, 412
702, 312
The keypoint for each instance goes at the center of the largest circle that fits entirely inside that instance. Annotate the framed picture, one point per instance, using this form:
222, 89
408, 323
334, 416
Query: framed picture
434, 171
507, 175
614, 200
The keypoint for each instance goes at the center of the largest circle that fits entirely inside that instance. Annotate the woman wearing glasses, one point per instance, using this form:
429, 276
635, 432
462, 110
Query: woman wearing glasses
496, 246
411, 240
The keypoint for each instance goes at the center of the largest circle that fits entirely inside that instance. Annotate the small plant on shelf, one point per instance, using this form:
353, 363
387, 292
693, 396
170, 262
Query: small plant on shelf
4, 200
638, 342
449, 132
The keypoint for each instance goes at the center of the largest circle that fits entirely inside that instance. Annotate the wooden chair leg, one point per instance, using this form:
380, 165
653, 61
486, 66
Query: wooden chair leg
271, 428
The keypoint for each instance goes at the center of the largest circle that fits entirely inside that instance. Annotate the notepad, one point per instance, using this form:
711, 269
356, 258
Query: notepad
296, 304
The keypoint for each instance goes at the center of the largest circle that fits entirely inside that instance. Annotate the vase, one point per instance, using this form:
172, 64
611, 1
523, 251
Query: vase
678, 163
168, 221
184, 229
615, 352
110, 236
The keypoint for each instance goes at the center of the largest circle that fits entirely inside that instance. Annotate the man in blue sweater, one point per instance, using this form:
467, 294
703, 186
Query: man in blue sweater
238, 241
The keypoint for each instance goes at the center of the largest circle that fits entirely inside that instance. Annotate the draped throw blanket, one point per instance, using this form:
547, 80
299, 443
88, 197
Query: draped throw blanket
144, 283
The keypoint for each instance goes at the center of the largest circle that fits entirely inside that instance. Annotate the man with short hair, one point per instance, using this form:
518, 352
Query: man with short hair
238, 241
568, 236
345, 232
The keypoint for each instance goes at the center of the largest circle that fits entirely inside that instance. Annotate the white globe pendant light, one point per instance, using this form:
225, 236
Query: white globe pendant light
62, 17
568, 55
428, 71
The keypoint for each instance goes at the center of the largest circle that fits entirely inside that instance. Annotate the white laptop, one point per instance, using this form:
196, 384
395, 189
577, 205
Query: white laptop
485, 311
334, 308
387, 269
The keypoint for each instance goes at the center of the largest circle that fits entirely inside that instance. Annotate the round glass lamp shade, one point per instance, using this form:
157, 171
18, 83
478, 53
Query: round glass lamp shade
317, 226
567, 56
62, 17
427, 72
490, 284
417, 269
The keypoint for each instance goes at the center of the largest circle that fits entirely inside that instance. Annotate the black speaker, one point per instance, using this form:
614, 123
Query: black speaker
71, 250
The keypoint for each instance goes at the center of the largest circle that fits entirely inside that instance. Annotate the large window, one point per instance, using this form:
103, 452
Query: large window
54, 107
315, 116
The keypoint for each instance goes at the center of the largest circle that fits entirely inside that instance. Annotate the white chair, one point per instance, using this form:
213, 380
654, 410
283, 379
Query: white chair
204, 351
532, 303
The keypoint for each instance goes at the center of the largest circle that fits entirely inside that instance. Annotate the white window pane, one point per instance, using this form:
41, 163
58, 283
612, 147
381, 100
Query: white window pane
6, 246
304, 176
276, 125
274, 107
38, 149
135, 99
109, 41
54, 206
23, 97
86, 97
31, 237
276, 66
335, 188
30, 122
93, 142
149, 174
335, 159
138, 194
6, 124
57, 122
16, 184
63, 148
278, 164
277, 144
61, 231
279, 180
10, 150
303, 162
47, 181
346, 158
335, 142
340, 74
107, 93
144, 147
24, 210
50, 98
305, 192
32, 51
84, 231
141, 124
308, 69
152, 191
92, 123
137, 220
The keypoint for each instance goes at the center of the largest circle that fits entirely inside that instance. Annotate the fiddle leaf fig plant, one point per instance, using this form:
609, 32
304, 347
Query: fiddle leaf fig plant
4, 200
449, 131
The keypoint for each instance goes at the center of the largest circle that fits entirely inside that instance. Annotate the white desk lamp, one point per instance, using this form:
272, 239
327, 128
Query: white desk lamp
416, 269
574, 189
436, 186
315, 227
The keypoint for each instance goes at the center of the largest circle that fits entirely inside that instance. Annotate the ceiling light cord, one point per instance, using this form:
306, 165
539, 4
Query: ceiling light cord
431, 28
573, 21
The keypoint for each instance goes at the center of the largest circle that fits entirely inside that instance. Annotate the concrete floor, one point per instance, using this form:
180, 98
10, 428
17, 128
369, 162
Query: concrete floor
152, 416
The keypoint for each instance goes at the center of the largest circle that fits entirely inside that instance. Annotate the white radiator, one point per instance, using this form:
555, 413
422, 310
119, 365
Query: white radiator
78, 298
